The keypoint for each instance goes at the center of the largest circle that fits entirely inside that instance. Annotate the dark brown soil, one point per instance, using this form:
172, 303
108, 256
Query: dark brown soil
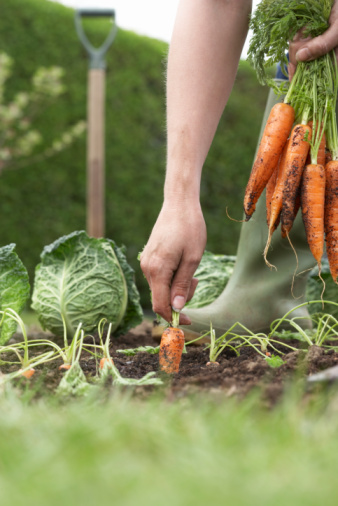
234, 376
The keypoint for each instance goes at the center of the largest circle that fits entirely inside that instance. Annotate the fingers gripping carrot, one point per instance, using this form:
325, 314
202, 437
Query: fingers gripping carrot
331, 216
312, 203
295, 162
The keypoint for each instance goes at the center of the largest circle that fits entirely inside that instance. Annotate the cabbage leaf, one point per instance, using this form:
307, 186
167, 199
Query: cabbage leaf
213, 273
14, 289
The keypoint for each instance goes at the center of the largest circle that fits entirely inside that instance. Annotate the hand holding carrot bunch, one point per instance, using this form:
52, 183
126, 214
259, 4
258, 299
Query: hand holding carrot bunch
290, 161
305, 48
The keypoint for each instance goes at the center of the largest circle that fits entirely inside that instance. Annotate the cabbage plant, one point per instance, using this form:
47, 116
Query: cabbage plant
14, 289
82, 279
213, 273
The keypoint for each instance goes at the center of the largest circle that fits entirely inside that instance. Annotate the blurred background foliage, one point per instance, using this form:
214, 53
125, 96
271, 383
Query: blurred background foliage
44, 200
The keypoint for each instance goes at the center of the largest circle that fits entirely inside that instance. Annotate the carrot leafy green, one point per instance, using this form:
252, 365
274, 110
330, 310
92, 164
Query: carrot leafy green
275, 22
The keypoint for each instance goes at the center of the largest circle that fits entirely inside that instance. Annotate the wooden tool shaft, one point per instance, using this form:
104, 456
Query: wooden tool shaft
95, 155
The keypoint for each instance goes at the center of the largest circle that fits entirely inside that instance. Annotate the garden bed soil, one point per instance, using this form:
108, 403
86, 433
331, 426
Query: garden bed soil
233, 376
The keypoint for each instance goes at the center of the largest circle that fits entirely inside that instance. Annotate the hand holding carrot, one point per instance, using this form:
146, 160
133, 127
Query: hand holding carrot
308, 49
172, 255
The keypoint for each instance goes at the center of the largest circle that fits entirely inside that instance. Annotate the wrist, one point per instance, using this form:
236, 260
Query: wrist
182, 182
182, 190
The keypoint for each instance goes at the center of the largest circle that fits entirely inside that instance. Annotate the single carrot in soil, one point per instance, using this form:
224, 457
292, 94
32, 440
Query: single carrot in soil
274, 137
64, 367
331, 217
312, 197
171, 347
295, 162
106, 360
27, 374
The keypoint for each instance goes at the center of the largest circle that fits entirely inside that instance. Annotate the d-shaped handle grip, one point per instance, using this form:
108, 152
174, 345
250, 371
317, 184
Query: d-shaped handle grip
96, 55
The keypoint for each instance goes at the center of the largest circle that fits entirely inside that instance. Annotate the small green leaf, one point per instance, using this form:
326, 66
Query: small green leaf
274, 361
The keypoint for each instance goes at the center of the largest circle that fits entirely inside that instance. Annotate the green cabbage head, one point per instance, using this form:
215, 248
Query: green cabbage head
83, 279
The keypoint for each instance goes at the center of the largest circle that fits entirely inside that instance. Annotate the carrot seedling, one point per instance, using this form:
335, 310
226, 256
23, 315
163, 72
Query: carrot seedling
74, 382
108, 370
27, 364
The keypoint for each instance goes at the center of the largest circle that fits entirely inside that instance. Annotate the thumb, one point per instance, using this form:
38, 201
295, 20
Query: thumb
319, 46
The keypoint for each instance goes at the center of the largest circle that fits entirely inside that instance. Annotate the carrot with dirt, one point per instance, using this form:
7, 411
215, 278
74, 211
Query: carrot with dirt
312, 204
313, 95
270, 188
171, 347
274, 137
294, 165
331, 217
276, 202
312, 194
273, 25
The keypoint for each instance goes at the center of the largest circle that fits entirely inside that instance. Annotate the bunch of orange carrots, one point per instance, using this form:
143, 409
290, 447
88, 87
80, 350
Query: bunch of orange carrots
297, 161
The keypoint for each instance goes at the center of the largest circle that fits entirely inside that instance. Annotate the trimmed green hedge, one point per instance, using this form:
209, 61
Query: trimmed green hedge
41, 202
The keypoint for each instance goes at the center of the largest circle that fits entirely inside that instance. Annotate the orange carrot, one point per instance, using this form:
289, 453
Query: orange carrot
276, 201
27, 374
331, 216
312, 202
275, 134
295, 162
171, 347
64, 367
297, 207
277, 197
270, 188
105, 360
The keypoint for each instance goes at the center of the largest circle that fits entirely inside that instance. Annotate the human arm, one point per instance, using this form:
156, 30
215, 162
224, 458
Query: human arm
206, 45
308, 49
